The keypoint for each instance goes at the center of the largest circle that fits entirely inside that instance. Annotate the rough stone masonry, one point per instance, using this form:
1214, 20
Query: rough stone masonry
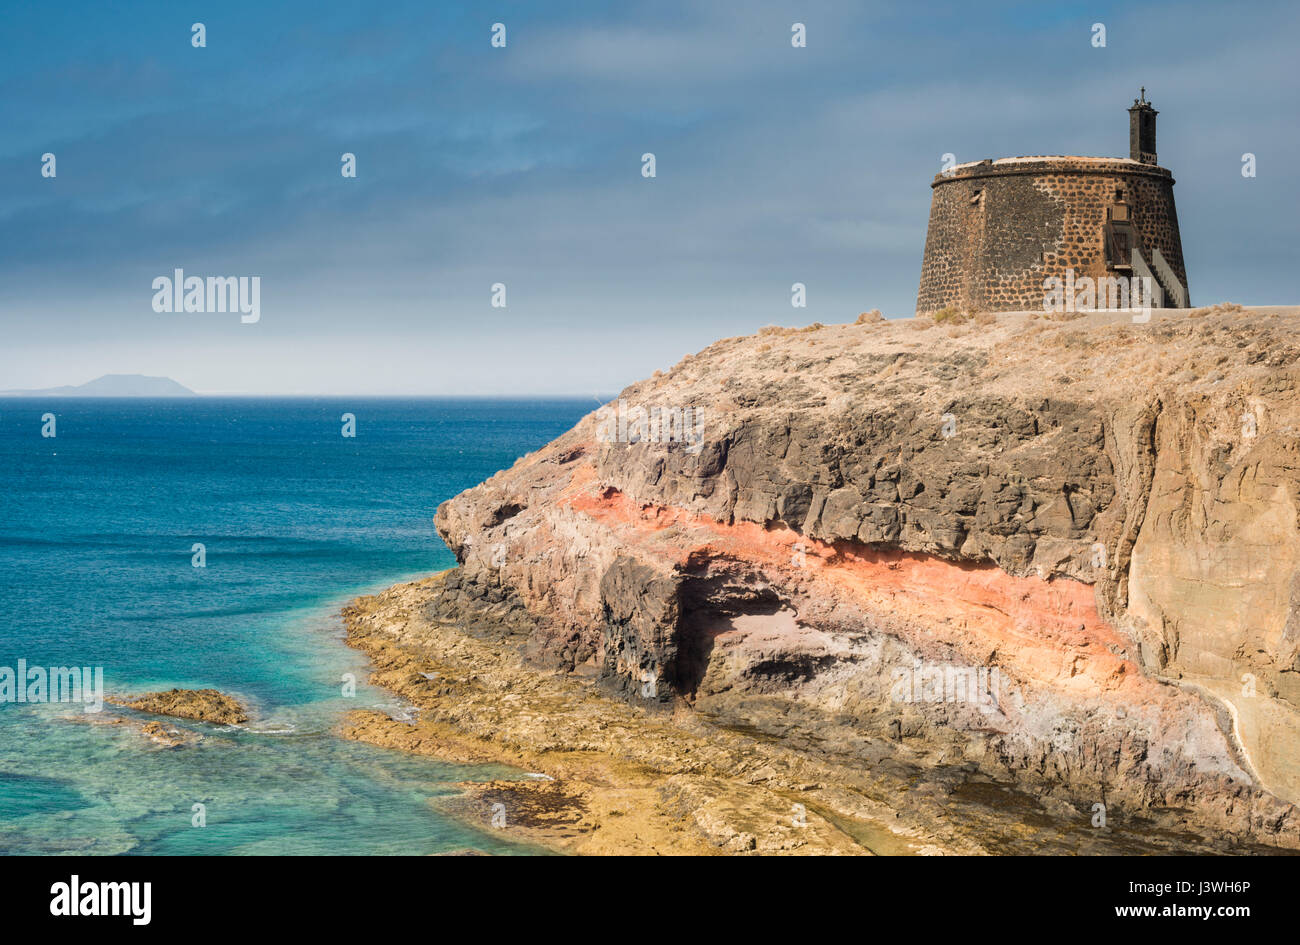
1000, 228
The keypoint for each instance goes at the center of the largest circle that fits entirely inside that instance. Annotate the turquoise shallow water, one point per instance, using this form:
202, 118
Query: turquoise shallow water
97, 526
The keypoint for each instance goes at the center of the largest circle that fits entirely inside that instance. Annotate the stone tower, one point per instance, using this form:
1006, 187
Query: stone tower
999, 229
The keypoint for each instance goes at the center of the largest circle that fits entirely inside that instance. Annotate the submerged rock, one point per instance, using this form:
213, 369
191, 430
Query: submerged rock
168, 736
159, 734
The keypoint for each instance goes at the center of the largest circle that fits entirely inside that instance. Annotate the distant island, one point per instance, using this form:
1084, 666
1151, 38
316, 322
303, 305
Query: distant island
112, 385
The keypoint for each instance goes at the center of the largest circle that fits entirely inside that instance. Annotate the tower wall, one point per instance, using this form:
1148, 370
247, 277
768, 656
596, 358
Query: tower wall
998, 229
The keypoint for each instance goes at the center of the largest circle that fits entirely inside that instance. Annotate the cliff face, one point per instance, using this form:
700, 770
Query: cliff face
1059, 553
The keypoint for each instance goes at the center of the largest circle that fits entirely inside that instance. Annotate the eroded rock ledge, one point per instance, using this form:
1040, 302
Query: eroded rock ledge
1091, 522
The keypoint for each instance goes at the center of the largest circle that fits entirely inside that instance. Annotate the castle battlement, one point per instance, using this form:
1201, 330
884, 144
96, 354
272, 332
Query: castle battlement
1063, 163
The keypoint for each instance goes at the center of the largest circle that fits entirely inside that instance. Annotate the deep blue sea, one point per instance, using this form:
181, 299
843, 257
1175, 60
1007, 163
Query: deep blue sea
97, 529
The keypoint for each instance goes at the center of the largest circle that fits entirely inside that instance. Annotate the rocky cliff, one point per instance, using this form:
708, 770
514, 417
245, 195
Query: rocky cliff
1048, 566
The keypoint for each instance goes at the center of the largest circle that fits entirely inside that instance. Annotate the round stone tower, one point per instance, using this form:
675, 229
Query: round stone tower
1000, 230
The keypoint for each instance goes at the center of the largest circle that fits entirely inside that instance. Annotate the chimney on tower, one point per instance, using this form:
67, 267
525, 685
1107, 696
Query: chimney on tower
1142, 130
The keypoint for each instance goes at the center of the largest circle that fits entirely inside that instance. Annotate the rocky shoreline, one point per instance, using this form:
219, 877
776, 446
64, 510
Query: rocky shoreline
1018, 585
613, 777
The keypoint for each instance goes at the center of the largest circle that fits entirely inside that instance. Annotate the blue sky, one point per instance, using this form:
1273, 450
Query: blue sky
521, 165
